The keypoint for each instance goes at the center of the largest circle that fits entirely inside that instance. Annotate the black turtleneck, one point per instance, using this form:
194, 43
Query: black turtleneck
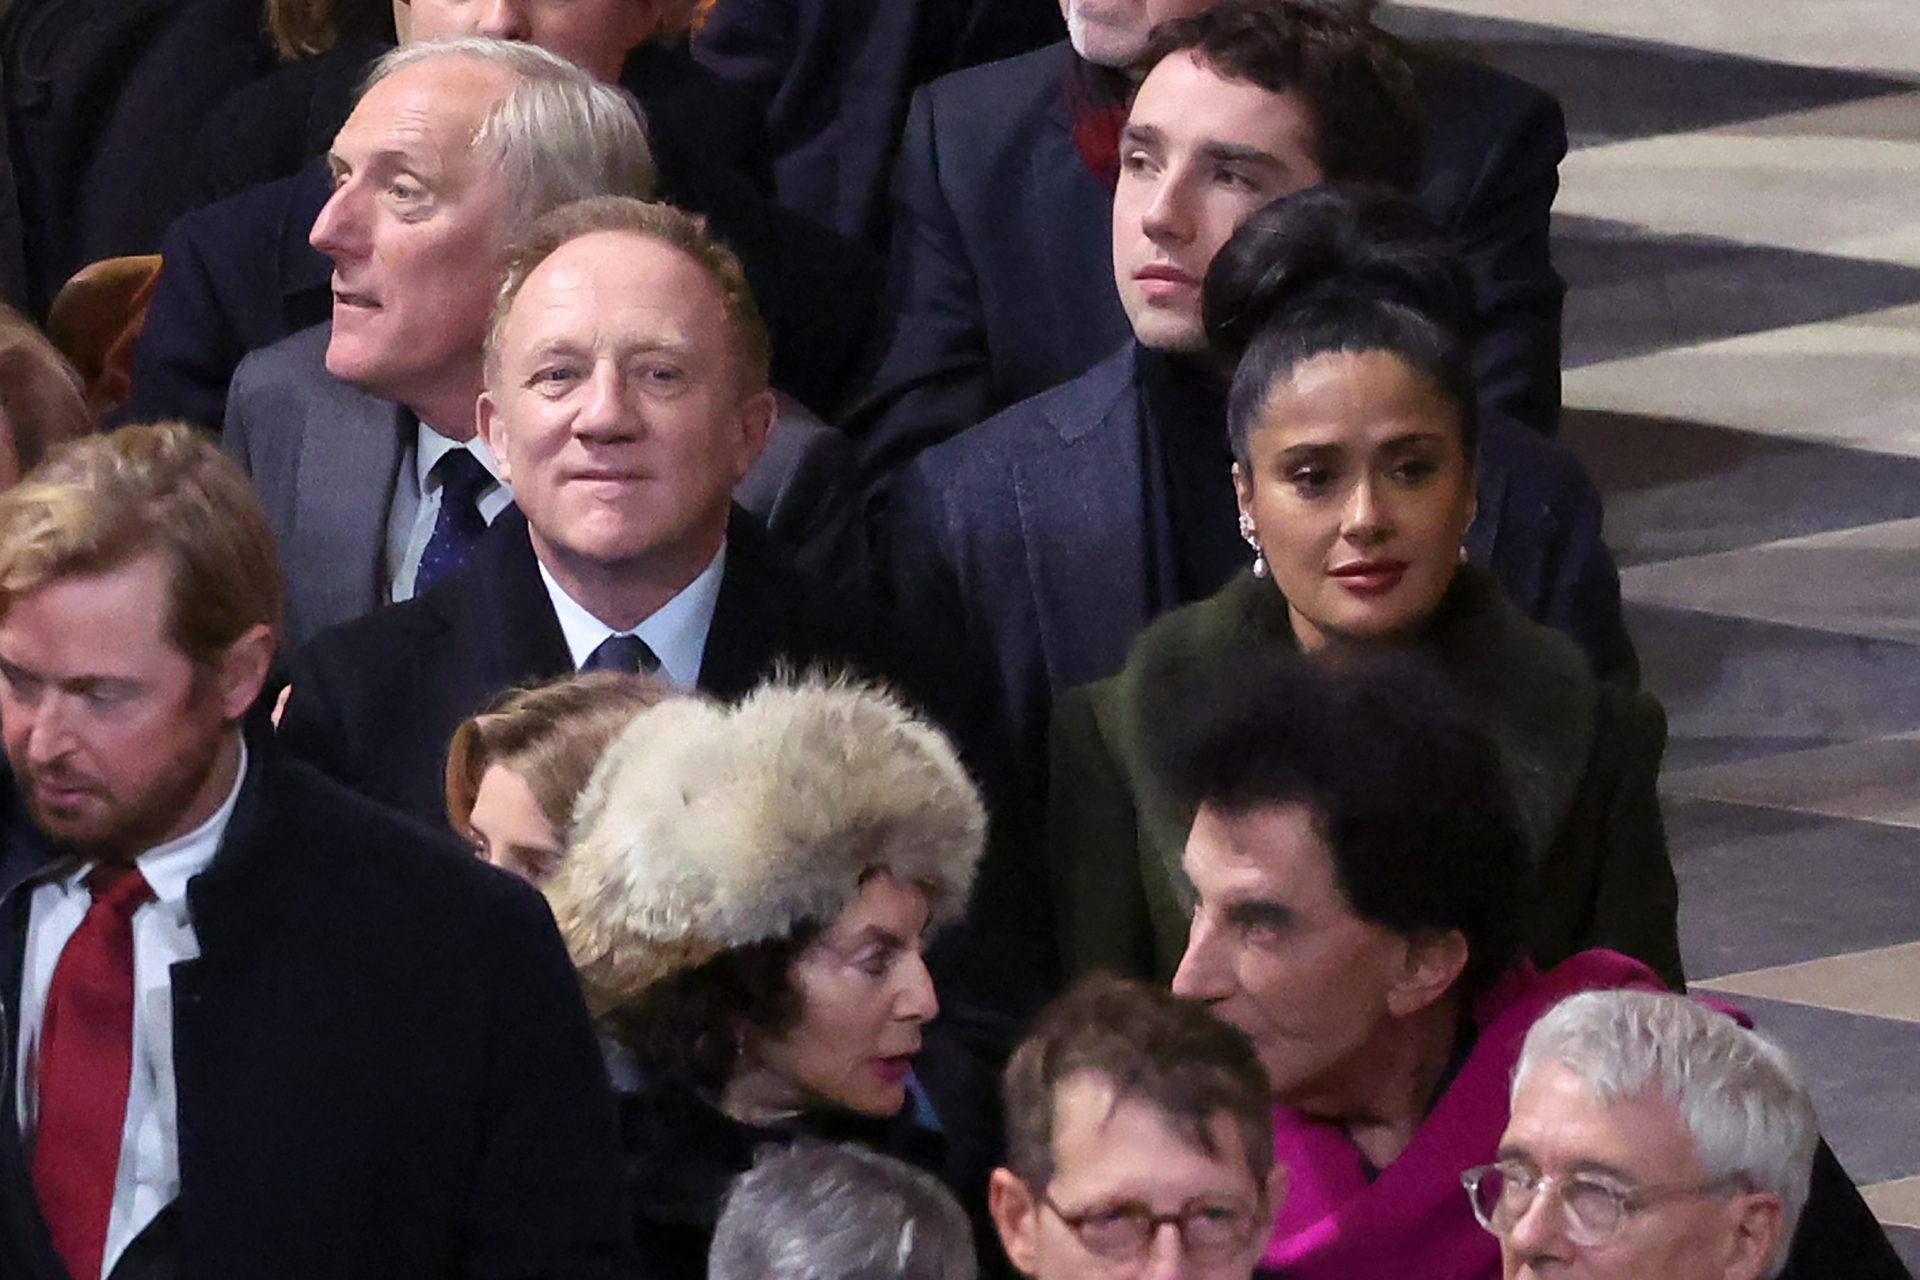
1190, 506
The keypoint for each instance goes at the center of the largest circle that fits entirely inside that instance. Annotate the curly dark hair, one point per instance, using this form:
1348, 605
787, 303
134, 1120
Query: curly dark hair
1356, 87
687, 1027
1408, 794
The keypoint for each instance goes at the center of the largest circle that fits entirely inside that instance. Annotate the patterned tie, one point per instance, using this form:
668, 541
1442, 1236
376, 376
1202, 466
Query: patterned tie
622, 653
86, 1063
458, 526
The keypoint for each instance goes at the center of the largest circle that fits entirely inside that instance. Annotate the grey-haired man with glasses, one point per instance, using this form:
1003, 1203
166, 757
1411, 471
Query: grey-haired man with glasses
1651, 1138
1139, 1141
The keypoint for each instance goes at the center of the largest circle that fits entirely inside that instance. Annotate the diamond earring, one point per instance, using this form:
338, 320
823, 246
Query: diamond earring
1252, 539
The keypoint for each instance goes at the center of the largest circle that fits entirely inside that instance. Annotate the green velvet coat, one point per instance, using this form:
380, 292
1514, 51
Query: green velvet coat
1582, 758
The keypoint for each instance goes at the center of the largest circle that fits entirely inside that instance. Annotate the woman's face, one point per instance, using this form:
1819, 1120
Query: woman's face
1360, 493
509, 830
864, 994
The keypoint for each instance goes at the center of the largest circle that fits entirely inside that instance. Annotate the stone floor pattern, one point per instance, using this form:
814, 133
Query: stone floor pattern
1739, 224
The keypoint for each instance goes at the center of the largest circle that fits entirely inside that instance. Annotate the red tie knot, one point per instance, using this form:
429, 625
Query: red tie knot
119, 889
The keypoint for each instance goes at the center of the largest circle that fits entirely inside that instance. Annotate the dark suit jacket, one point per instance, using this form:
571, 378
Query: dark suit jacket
1025, 541
383, 1062
832, 79
375, 702
325, 457
239, 275
1000, 283
100, 96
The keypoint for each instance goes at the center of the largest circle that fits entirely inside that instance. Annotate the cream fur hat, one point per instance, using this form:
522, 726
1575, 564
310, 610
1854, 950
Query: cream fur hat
706, 827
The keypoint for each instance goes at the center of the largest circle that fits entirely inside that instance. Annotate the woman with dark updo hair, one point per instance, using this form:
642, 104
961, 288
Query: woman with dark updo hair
1351, 417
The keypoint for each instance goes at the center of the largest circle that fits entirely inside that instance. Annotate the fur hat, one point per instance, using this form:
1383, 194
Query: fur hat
706, 827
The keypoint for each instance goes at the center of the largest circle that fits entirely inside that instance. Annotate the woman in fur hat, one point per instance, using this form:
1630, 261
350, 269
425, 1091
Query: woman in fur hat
746, 897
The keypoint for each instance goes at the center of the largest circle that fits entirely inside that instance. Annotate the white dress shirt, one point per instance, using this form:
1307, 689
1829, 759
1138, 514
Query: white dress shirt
676, 631
416, 504
148, 1178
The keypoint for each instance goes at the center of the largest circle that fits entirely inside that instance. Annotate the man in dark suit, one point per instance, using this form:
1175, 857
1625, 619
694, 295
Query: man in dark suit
626, 397
832, 79
259, 1025
1046, 538
999, 285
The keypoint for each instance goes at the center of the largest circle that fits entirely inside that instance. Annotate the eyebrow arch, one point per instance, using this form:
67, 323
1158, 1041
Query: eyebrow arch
1259, 912
1140, 135
1235, 153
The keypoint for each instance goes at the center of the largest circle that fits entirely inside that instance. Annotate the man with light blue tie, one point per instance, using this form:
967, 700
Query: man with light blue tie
626, 375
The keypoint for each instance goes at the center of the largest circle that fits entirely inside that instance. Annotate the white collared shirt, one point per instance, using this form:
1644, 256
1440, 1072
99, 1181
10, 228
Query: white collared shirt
148, 1178
676, 631
416, 504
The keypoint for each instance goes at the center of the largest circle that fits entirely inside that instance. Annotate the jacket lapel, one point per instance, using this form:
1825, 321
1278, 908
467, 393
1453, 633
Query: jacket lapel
747, 627
1080, 503
350, 454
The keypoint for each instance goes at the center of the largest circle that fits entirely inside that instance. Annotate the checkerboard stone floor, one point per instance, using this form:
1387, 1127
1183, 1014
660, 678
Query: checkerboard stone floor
1739, 223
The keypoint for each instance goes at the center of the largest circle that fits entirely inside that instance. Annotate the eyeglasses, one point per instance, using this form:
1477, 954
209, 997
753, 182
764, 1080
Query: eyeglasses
1209, 1233
1502, 1193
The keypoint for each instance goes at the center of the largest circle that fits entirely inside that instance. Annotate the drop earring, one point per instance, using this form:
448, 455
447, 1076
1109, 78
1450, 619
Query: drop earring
1252, 539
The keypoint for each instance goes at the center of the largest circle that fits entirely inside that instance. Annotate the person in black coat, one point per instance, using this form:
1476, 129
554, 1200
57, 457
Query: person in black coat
747, 893
999, 280
622, 459
345, 1046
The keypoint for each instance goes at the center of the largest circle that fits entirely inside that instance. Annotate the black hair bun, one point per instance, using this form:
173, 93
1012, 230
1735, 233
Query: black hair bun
1325, 244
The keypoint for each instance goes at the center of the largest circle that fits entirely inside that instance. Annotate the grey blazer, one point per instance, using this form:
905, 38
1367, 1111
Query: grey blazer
325, 457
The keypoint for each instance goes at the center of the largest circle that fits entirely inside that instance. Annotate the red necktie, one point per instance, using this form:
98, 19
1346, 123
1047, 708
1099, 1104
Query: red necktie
86, 1062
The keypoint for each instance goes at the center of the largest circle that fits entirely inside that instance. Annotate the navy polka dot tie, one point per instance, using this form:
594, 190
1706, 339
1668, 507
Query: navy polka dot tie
459, 525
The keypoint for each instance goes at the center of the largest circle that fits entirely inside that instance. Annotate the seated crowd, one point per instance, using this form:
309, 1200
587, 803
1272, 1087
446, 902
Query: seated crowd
613, 704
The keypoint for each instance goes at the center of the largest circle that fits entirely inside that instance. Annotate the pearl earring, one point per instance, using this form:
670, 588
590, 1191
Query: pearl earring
1252, 539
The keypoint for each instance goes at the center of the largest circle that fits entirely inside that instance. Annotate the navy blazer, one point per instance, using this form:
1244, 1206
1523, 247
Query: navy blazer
375, 701
832, 79
1026, 541
1000, 284
384, 1066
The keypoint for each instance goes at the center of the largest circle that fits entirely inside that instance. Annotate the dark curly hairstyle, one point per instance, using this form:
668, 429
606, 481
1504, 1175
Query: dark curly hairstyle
687, 1027
1408, 795
1336, 268
1357, 89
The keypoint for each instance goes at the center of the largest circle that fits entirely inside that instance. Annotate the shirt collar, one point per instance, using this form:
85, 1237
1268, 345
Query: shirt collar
676, 631
168, 867
430, 446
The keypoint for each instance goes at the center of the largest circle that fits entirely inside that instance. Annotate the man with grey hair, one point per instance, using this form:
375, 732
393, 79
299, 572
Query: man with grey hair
818, 1212
1654, 1138
359, 433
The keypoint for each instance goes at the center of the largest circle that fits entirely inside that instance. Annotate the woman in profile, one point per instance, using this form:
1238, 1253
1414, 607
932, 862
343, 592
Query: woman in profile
746, 894
1352, 421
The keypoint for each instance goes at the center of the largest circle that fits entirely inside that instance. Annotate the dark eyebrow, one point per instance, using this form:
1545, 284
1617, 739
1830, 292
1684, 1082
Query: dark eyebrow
1257, 912
1310, 453
1235, 153
1140, 135
1413, 439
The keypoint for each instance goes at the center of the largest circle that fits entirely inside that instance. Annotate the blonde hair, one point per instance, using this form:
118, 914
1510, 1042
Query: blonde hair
652, 220
40, 392
103, 501
549, 736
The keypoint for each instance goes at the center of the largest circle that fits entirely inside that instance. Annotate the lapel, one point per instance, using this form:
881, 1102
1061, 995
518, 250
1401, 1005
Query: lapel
351, 448
1079, 495
25, 1248
749, 625
1073, 213
499, 613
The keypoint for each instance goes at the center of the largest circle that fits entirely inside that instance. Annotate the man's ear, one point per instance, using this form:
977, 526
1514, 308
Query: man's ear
1754, 1226
243, 670
492, 433
1434, 962
1015, 1216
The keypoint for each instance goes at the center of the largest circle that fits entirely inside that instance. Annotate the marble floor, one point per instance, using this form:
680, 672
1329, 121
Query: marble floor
1739, 223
